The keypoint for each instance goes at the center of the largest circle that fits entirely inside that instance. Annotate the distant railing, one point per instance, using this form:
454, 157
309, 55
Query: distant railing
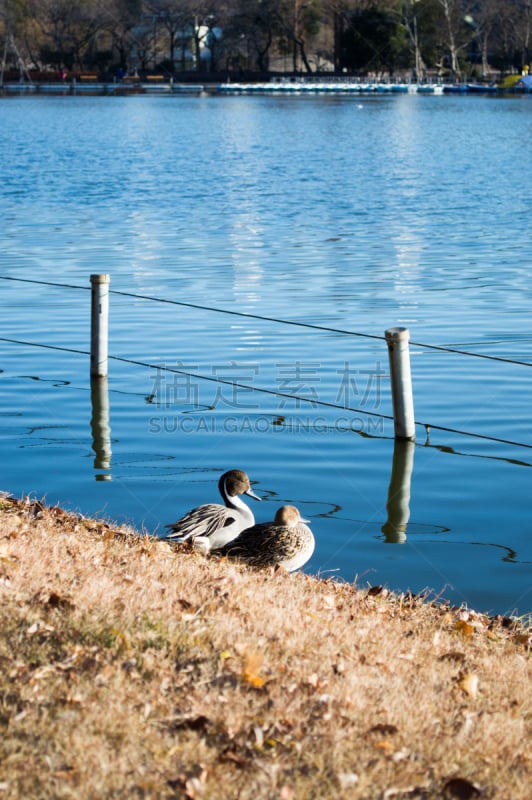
401, 385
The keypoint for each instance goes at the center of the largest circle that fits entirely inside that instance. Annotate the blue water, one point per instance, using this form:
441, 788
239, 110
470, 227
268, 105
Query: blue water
350, 213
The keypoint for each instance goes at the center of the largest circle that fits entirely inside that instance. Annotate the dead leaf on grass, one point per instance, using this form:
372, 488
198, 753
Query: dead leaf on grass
461, 789
347, 779
190, 783
41, 628
225, 654
385, 745
453, 655
67, 773
467, 726
465, 628
164, 550
384, 728
251, 669
287, 793
121, 638
52, 599
6, 554
329, 601
313, 680
234, 758
408, 789
192, 722
469, 684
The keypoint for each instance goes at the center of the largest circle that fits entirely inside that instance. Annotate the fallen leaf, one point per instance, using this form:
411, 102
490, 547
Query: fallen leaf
66, 773
384, 728
401, 755
347, 779
373, 591
313, 680
287, 793
235, 758
225, 654
453, 655
469, 684
191, 783
464, 628
408, 789
39, 627
467, 727
259, 736
5, 554
164, 549
251, 669
385, 745
461, 788
57, 600
329, 601
121, 638
189, 722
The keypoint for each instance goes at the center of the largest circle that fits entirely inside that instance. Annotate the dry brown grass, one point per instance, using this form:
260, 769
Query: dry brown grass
128, 669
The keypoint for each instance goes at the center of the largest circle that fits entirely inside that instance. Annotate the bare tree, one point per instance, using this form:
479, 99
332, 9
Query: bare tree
68, 29
410, 11
420, 33
256, 24
520, 22
173, 17
298, 20
120, 18
455, 13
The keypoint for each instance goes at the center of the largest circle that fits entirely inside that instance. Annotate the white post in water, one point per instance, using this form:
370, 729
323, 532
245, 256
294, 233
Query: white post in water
99, 324
401, 380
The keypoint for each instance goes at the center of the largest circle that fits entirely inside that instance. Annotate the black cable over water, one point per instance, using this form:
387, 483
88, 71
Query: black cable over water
44, 283
263, 318
324, 328
273, 392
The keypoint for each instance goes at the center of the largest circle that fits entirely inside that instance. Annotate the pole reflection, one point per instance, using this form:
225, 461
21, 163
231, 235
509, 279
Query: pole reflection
100, 428
398, 503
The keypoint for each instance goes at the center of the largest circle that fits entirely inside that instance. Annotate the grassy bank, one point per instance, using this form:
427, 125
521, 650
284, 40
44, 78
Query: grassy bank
131, 670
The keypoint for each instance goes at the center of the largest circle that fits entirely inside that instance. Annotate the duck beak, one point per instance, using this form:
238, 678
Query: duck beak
301, 519
251, 493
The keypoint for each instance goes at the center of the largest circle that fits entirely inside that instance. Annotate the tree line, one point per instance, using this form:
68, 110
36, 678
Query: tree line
457, 38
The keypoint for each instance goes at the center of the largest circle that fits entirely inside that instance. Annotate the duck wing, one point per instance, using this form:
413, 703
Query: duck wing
202, 521
267, 544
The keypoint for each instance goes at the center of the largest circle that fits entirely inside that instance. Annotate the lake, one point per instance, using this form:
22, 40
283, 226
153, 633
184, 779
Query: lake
349, 214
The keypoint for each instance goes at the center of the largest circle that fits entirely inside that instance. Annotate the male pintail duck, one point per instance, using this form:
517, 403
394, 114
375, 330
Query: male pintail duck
286, 541
212, 526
